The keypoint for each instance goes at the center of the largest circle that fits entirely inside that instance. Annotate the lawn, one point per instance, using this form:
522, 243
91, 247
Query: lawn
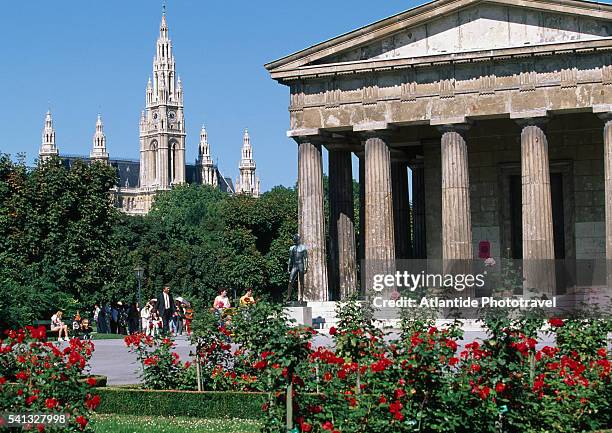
142, 424
96, 336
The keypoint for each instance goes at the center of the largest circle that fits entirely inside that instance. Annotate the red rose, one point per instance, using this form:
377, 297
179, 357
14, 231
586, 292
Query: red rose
260, 365
91, 381
2, 380
500, 387
556, 322
382, 399
341, 374
40, 428
305, 427
82, 421
333, 330
50, 403
453, 361
264, 407
327, 376
484, 392
92, 402
602, 353
327, 425
399, 393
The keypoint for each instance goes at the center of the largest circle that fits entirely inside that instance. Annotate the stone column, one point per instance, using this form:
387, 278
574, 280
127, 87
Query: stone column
362, 201
608, 193
538, 240
419, 244
342, 222
456, 216
379, 235
401, 209
311, 218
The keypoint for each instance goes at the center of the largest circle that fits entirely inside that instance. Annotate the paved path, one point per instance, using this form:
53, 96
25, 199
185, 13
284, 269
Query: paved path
112, 359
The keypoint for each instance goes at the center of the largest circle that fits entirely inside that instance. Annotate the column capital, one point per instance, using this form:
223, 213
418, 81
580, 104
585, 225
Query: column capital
307, 135
605, 116
368, 130
539, 121
459, 128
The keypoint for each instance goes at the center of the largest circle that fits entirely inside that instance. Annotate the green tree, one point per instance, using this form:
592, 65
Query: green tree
55, 235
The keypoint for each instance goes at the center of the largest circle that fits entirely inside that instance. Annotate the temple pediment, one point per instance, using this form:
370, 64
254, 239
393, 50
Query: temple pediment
446, 27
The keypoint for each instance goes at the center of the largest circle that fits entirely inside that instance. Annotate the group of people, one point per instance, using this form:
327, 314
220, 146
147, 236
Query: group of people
165, 314
81, 327
117, 318
222, 302
161, 315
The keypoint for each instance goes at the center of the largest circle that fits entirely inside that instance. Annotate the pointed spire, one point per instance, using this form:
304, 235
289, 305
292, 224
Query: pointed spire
204, 146
99, 142
48, 146
246, 183
163, 27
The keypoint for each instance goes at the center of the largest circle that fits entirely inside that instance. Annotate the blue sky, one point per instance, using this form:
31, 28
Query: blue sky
81, 58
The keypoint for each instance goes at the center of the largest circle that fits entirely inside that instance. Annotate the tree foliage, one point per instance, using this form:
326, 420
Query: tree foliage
55, 235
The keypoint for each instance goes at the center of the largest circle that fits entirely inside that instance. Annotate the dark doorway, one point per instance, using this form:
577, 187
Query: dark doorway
516, 217
558, 214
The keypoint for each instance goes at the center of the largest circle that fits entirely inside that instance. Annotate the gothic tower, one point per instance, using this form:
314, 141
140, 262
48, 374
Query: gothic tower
206, 168
48, 147
247, 183
162, 123
98, 152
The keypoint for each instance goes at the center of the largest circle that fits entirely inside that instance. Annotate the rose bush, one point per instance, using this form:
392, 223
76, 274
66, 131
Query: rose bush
422, 379
42, 377
162, 367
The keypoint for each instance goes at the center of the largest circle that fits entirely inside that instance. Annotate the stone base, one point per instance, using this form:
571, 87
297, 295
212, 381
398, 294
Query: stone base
302, 315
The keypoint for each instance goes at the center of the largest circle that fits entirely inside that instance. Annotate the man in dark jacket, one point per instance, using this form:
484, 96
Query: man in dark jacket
165, 307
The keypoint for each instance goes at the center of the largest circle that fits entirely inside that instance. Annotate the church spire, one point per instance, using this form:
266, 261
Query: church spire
164, 76
208, 171
48, 146
247, 182
99, 142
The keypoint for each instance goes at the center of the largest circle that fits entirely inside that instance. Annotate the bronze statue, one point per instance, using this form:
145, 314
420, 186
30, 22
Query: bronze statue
297, 266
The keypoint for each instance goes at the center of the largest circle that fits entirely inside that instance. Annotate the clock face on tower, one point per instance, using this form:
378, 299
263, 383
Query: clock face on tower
155, 116
171, 115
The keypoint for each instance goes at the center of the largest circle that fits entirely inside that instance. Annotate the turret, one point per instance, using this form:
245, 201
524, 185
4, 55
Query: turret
99, 152
48, 146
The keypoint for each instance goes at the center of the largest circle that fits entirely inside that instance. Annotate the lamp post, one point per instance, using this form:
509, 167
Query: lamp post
139, 272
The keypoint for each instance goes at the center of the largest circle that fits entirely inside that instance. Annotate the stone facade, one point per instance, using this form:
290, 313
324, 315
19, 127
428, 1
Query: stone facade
162, 162
497, 110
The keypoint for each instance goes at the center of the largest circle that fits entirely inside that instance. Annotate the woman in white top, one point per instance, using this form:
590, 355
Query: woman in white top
58, 326
221, 301
145, 317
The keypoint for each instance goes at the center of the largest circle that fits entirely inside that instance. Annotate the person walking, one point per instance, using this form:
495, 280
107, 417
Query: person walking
101, 322
133, 318
145, 318
188, 317
165, 308
114, 319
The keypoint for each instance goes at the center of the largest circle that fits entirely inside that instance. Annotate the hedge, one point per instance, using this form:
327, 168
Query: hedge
208, 404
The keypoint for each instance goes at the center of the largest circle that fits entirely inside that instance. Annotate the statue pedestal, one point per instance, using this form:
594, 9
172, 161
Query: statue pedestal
302, 315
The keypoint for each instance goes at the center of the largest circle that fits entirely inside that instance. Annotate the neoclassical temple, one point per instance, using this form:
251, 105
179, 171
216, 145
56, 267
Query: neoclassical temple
500, 110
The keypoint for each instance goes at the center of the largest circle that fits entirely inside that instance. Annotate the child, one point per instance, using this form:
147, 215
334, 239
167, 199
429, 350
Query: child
86, 329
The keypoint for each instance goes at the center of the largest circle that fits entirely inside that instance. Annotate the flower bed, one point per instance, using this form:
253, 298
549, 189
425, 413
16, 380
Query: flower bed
420, 381
40, 377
